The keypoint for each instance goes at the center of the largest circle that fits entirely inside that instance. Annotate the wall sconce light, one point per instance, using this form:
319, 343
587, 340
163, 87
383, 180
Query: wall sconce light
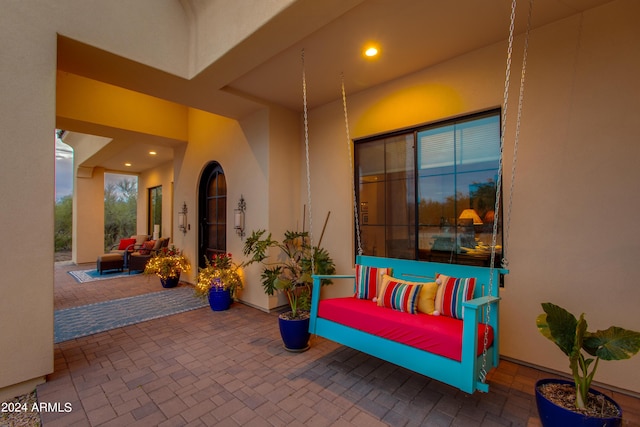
238, 217
182, 218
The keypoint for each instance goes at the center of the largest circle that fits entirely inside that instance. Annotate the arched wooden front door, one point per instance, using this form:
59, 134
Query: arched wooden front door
212, 215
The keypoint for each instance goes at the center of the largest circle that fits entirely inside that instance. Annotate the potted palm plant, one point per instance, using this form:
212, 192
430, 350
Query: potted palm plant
167, 264
218, 281
563, 403
290, 274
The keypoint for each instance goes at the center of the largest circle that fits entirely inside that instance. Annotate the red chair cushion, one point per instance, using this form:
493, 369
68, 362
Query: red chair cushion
147, 247
125, 243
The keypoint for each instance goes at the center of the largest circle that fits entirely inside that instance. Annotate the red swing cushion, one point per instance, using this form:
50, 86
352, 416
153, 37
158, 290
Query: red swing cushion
440, 335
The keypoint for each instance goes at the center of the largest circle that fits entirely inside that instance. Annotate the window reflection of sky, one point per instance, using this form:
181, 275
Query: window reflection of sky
438, 187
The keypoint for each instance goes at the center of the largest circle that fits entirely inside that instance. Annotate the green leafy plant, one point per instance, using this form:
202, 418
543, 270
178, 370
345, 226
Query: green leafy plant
571, 336
220, 272
168, 262
291, 272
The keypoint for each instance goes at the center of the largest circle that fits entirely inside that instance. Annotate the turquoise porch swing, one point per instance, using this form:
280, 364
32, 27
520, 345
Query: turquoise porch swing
479, 352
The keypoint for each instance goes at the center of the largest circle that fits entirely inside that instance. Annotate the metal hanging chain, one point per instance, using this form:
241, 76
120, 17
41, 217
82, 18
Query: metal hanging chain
306, 147
505, 262
483, 368
505, 103
353, 179
483, 371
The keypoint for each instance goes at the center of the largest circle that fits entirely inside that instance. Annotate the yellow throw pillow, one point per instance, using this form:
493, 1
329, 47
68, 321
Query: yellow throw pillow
427, 297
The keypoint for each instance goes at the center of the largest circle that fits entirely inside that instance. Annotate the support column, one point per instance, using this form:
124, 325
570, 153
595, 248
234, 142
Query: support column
88, 215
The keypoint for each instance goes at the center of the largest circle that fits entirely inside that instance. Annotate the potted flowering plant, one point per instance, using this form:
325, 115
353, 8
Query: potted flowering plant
167, 264
219, 280
290, 273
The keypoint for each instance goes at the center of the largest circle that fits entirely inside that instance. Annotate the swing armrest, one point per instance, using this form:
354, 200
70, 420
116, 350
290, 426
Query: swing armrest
476, 303
473, 316
474, 312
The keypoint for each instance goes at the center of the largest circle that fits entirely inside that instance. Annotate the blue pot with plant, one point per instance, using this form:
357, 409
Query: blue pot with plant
580, 405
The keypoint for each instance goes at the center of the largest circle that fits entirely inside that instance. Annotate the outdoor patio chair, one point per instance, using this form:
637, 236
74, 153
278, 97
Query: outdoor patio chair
137, 260
130, 244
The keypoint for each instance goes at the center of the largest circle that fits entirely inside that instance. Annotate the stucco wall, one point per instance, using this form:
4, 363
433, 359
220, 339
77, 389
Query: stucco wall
26, 306
88, 200
218, 25
578, 174
256, 166
576, 171
28, 72
88, 216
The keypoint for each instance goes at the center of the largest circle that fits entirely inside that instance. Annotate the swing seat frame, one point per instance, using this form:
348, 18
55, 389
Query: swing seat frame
465, 374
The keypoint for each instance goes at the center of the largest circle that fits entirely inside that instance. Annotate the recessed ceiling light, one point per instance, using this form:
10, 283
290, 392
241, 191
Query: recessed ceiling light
371, 51
127, 164
153, 153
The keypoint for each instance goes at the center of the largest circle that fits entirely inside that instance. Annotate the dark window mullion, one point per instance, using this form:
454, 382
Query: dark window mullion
416, 198
384, 211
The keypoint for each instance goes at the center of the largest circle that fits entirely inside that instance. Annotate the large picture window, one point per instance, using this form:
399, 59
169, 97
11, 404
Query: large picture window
428, 193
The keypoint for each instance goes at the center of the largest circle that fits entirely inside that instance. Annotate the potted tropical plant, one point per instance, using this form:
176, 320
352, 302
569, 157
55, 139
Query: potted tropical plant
167, 264
580, 405
218, 281
290, 273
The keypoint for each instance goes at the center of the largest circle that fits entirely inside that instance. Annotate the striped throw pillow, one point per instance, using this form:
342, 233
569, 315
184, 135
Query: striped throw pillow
399, 295
368, 280
452, 292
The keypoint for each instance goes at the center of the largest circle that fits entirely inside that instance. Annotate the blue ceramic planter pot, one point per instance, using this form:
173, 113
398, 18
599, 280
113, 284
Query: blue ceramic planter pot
295, 333
219, 299
552, 415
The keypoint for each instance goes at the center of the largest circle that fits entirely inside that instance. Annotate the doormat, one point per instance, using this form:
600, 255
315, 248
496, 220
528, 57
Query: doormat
90, 319
84, 276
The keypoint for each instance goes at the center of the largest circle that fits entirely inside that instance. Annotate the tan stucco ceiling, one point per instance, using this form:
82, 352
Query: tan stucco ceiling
265, 68
412, 35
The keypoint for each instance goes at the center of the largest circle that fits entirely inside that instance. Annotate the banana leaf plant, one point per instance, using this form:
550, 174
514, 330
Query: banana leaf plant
571, 336
290, 272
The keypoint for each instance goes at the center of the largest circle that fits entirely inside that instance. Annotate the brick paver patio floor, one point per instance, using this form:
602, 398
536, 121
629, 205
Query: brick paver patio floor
205, 368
